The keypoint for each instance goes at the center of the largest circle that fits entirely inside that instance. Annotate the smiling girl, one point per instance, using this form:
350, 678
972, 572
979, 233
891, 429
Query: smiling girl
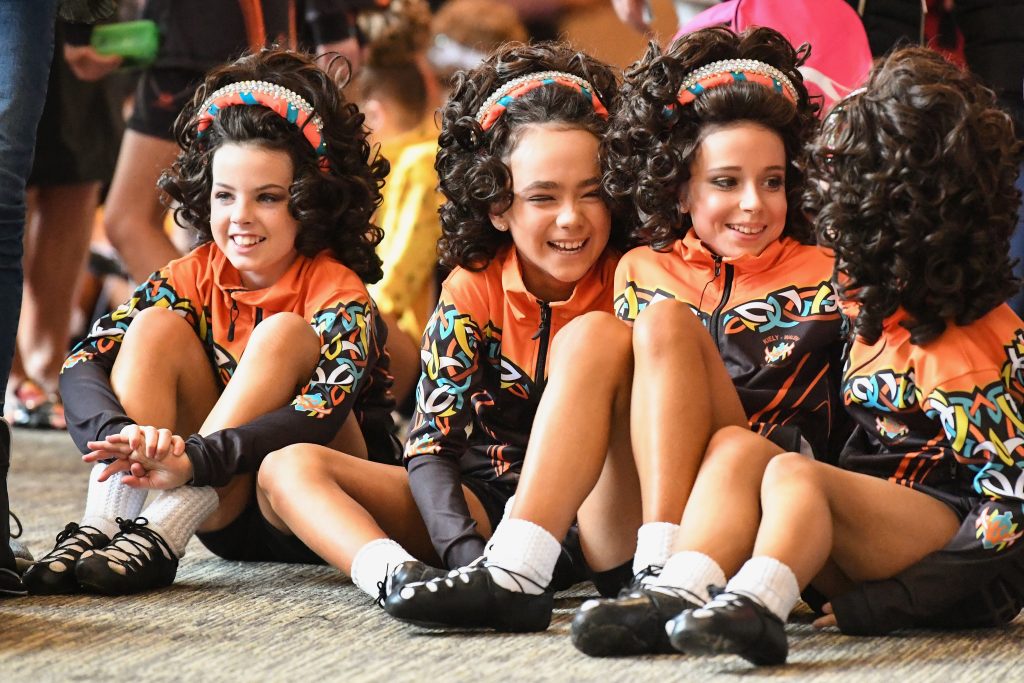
527, 230
629, 409
262, 336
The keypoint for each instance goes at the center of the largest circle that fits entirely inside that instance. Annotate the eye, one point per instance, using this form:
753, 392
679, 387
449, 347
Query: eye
268, 198
539, 198
222, 196
775, 182
724, 182
594, 194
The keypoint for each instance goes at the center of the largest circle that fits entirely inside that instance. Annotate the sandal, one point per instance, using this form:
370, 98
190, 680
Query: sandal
33, 408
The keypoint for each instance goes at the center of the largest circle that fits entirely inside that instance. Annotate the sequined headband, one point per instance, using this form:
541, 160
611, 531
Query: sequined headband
728, 71
288, 104
495, 105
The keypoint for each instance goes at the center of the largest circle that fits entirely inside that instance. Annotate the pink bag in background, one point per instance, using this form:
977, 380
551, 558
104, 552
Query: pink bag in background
840, 55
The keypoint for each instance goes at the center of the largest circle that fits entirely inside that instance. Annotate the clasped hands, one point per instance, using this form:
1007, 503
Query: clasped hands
151, 457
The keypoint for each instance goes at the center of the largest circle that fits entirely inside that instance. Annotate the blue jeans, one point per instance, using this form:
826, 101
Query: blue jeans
26, 48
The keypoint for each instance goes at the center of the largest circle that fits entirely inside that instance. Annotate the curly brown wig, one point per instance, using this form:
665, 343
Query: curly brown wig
332, 208
912, 184
472, 163
652, 140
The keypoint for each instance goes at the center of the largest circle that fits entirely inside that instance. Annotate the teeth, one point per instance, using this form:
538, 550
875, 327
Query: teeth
745, 229
568, 246
246, 240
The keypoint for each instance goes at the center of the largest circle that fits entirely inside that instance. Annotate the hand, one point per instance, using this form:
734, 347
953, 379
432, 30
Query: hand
348, 48
142, 452
636, 13
827, 621
87, 64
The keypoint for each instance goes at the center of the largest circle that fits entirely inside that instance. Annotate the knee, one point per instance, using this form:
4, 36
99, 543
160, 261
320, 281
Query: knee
594, 337
121, 228
159, 323
284, 470
663, 326
285, 331
726, 450
784, 470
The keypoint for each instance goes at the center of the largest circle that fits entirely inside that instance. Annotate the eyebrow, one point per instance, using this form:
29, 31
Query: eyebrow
268, 186
550, 184
737, 168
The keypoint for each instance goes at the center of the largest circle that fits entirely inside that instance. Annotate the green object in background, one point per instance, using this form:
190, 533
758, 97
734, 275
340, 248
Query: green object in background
135, 41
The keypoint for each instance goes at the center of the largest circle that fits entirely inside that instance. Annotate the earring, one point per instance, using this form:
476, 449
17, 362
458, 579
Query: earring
500, 226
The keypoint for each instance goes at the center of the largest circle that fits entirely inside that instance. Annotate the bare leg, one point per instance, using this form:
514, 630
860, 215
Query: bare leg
725, 502
337, 503
134, 215
57, 247
675, 362
582, 418
813, 512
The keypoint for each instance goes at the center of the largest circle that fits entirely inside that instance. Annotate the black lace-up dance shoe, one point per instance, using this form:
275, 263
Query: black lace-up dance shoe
731, 624
136, 559
54, 572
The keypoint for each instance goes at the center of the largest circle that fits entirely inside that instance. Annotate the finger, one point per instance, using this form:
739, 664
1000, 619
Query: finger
150, 435
112, 468
827, 608
119, 449
131, 434
177, 445
827, 621
138, 469
163, 443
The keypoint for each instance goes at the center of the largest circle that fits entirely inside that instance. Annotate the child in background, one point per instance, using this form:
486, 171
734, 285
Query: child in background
703, 146
912, 180
527, 231
262, 336
396, 95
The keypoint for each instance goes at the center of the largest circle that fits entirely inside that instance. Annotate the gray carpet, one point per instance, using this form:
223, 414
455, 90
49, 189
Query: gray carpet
232, 621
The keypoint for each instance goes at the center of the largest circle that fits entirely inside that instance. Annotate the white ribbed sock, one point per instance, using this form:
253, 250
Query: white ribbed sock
654, 541
375, 561
177, 513
693, 572
768, 581
524, 548
508, 506
110, 499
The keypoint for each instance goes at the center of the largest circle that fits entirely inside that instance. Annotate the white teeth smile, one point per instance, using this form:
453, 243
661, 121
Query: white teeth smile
246, 240
567, 246
746, 229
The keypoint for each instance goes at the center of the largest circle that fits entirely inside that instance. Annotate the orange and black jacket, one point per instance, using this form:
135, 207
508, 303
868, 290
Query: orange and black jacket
946, 418
484, 353
206, 290
775, 322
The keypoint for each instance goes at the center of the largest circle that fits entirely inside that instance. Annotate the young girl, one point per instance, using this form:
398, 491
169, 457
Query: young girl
913, 184
527, 229
262, 336
703, 144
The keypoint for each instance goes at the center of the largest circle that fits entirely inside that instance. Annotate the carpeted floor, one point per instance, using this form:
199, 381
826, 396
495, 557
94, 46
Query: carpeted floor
232, 621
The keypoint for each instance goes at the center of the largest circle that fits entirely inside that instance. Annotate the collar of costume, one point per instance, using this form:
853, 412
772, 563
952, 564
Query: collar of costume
286, 103
727, 71
494, 106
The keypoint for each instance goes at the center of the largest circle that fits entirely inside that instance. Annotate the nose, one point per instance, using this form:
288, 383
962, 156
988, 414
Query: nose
241, 211
750, 199
569, 214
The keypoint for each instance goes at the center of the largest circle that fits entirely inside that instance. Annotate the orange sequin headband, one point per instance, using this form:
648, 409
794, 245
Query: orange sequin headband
496, 104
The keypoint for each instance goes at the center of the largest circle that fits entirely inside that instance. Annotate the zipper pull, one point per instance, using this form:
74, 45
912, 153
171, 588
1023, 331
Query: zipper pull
545, 319
234, 317
718, 265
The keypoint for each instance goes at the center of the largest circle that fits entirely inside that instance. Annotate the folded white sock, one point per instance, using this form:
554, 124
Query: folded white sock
177, 513
654, 541
693, 572
110, 499
375, 561
768, 581
526, 549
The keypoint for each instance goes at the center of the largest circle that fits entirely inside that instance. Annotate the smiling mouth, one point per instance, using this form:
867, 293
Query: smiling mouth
569, 246
246, 240
747, 229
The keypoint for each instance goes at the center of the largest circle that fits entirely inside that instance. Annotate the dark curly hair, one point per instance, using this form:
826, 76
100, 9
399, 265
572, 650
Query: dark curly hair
912, 183
332, 208
472, 163
653, 140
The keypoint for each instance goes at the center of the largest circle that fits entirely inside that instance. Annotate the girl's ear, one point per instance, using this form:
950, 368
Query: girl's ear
499, 222
684, 197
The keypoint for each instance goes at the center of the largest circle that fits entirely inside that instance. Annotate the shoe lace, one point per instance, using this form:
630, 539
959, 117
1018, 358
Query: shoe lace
18, 522
126, 550
464, 574
73, 539
382, 586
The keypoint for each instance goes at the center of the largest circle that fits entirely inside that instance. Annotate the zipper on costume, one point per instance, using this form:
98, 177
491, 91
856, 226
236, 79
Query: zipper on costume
713, 324
543, 333
234, 317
